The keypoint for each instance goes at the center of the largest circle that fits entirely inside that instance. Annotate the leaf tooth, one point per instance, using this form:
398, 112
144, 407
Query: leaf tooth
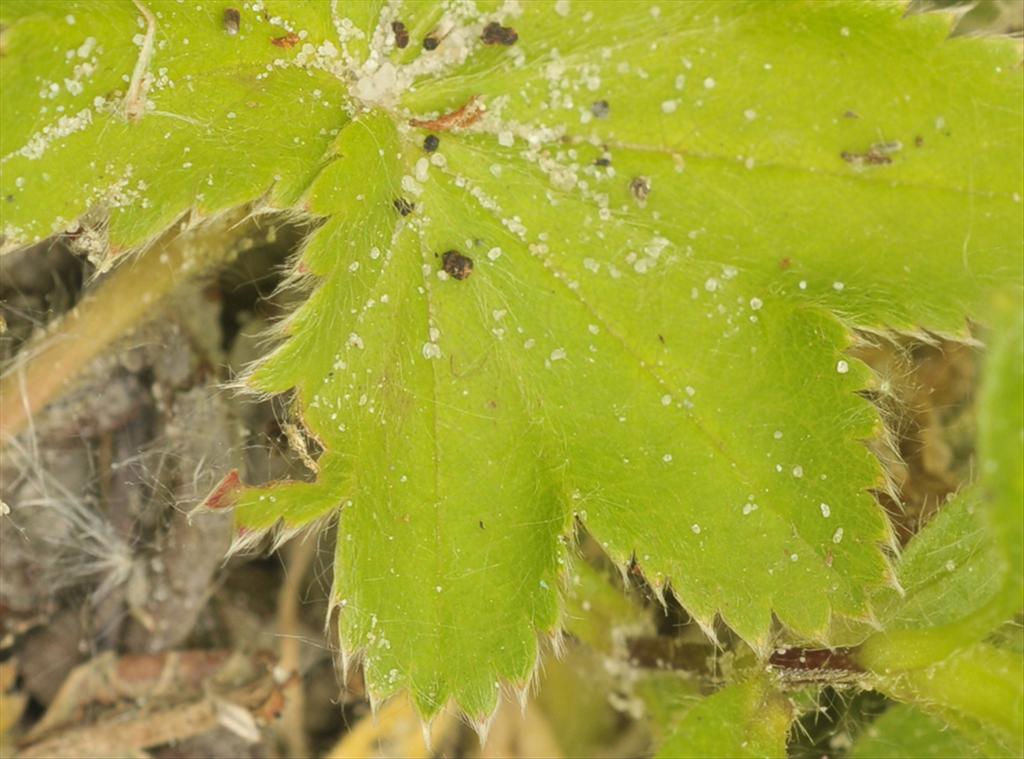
522, 694
483, 726
426, 725
659, 588
246, 541
347, 659
556, 637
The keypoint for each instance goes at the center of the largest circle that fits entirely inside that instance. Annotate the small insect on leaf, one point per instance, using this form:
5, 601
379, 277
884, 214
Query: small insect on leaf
404, 207
232, 21
640, 187
287, 41
600, 109
431, 142
457, 265
878, 155
496, 34
430, 42
401, 34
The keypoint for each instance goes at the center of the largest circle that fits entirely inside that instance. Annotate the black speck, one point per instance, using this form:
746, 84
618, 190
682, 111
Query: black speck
600, 109
457, 265
918, 141
232, 20
496, 34
431, 142
603, 161
431, 42
481, 524
640, 187
10, 198
401, 34
851, 115
403, 206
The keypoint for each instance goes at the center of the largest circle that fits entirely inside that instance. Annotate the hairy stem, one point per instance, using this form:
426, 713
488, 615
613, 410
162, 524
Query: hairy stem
52, 362
902, 650
979, 685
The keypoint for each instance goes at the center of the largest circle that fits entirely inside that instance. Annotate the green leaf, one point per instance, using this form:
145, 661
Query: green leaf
744, 720
1001, 423
218, 124
654, 346
964, 570
905, 731
977, 690
949, 570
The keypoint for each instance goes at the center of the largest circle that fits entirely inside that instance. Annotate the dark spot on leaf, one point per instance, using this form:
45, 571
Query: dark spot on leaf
785, 263
401, 34
602, 161
232, 20
640, 188
431, 142
404, 206
496, 34
661, 339
457, 265
289, 40
878, 155
482, 524
851, 115
10, 198
600, 109
918, 141
430, 42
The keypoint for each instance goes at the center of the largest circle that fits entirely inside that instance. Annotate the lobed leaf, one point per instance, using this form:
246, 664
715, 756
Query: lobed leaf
949, 571
1001, 425
742, 720
905, 731
979, 691
964, 570
217, 122
673, 213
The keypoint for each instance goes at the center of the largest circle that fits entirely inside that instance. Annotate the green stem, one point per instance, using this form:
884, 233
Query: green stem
50, 364
977, 685
903, 650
